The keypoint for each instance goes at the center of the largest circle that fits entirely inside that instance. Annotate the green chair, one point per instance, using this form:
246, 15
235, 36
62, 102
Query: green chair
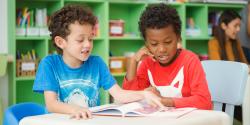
3, 67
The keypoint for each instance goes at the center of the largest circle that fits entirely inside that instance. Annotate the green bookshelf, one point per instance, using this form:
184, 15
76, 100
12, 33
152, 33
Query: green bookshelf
125, 38
20, 88
200, 13
181, 11
23, 91
25, 78
197, 11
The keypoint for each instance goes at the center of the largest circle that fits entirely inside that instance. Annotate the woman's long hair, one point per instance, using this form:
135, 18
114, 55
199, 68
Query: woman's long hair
226, 17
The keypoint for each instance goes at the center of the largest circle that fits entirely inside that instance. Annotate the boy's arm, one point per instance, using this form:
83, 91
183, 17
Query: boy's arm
136, 78
133, 62
199, 96
125, 96
53, 105
199, 93
131, 69
140, 80
166, 101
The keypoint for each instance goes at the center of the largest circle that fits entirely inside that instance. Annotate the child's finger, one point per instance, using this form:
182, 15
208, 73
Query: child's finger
89, 115
72, 116
150, 54
158, 103
149, 88
84, 115
151, 103
77, 116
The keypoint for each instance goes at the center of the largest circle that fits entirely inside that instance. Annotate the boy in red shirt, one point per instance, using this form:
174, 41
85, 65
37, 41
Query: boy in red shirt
176, 75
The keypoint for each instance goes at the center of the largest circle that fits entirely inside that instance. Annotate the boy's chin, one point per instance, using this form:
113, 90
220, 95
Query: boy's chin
84, 58
164, 63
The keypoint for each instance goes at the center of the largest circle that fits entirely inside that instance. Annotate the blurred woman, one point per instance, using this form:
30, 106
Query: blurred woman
225, 45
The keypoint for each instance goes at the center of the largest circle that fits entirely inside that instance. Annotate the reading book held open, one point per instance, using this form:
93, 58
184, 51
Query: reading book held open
138, 109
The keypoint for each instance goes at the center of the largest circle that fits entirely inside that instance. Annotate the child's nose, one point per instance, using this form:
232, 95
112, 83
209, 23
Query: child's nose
86, 43
162, 48
238, 29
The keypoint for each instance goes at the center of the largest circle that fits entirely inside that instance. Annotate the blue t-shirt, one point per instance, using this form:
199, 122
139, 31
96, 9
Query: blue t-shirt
78, 86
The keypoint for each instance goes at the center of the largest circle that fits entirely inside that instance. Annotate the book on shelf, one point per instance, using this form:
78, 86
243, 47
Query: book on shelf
137, 109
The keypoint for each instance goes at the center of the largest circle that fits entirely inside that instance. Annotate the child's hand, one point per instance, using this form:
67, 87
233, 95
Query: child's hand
154, 90
81, 113
144, 51
153, 99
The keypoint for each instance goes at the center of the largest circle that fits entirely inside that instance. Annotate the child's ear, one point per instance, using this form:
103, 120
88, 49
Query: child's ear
59, 41
178, 38
223, 26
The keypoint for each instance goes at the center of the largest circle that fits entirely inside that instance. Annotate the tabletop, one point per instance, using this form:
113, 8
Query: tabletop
196, 117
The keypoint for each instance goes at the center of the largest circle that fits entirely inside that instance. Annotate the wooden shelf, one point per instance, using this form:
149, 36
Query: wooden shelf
32, 37
25, 78
125, 38
119, 74
199, 38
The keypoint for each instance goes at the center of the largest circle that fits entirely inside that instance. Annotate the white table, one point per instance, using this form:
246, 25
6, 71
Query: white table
197, 117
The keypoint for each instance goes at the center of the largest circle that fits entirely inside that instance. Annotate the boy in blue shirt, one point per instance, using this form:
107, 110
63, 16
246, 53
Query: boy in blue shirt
71, 79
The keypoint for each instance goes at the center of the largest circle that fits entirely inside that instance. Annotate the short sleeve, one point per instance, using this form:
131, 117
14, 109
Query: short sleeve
106, 80
45, 77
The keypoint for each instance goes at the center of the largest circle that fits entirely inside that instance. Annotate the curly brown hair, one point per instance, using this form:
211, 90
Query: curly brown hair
159, 16
69, 14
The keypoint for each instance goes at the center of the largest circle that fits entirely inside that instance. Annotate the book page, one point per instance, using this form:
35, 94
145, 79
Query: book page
173, 112
103, 107
115, 109
130, 107
108, 109
139, 109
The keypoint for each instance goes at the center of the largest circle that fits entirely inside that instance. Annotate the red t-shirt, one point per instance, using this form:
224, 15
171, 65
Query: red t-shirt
184, 74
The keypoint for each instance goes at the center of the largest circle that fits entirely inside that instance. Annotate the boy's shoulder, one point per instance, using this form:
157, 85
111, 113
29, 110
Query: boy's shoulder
188, 55
94, 58
51, 58
187, 52
58, 58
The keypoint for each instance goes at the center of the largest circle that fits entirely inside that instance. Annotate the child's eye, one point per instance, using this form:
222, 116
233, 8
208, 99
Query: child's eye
153, 44
168, 42
91, 39
79, 41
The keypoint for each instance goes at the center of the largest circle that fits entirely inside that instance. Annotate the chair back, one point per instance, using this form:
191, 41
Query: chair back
226, 81
15, 113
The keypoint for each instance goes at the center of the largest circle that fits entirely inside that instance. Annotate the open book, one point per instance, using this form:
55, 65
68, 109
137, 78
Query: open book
138, 109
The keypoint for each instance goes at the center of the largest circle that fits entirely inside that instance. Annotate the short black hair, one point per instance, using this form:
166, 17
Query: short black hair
69, 14
157, 16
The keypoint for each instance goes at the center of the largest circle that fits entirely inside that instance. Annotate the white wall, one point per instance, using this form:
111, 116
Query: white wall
3, 25
3, 49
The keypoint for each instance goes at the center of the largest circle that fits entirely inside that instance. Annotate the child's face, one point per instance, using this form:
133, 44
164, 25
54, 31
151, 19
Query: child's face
162, 43
79, 42
232, 28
